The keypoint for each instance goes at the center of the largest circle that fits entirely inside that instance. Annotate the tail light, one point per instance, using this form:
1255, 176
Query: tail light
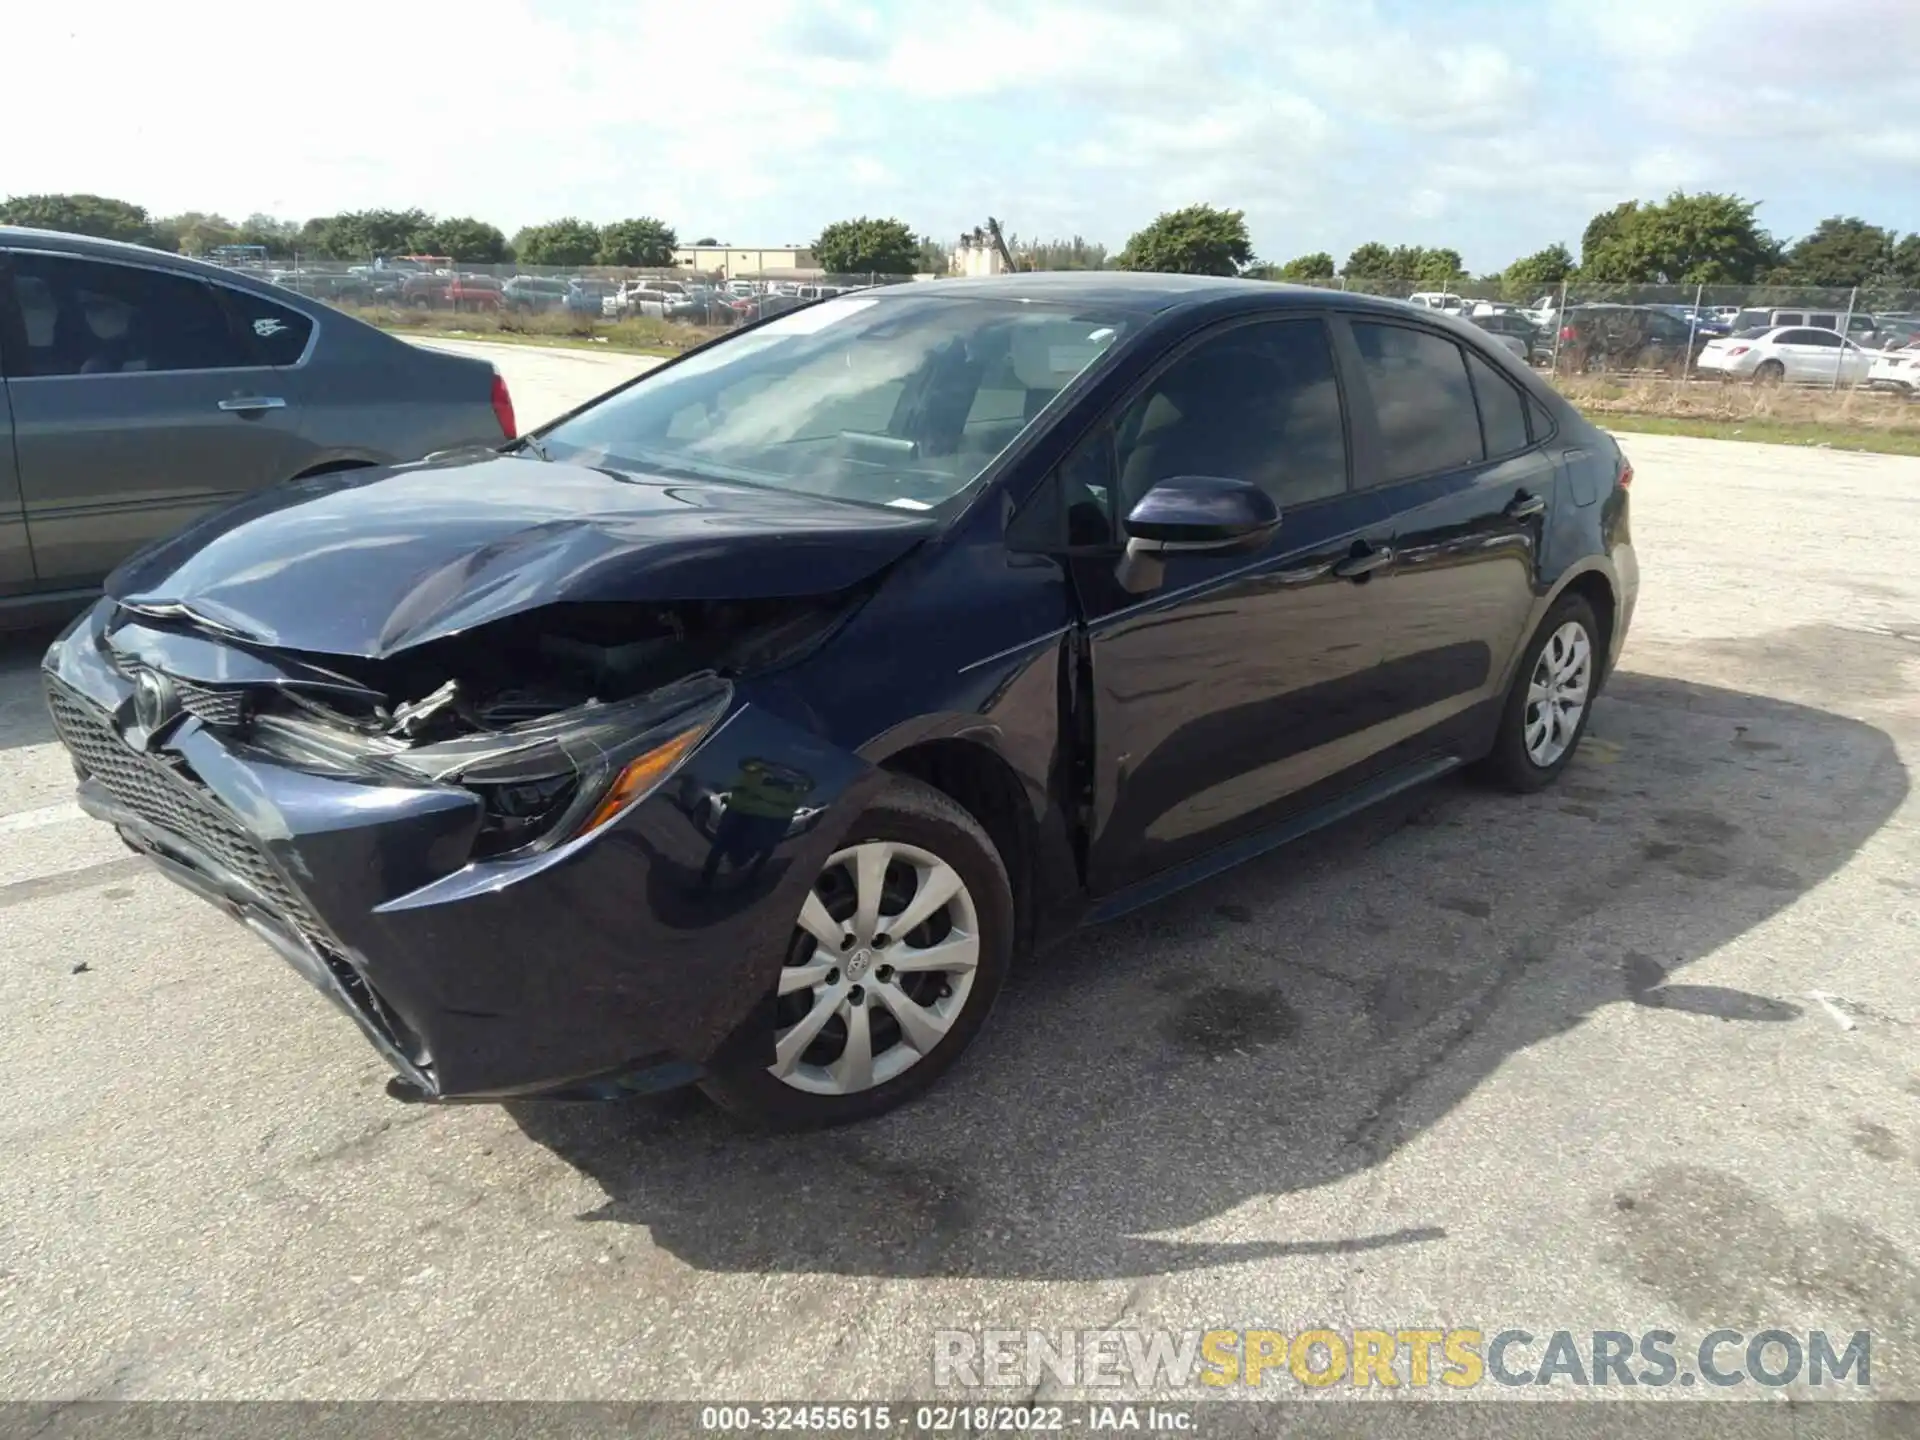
1625, 477
1566, 333
1738, 349
503, 407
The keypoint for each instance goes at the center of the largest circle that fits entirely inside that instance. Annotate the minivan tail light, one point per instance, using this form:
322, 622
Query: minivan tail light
503, 407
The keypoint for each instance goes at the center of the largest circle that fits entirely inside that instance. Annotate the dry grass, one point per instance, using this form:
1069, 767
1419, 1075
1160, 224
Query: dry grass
1859, 419
642, 336
1715, 400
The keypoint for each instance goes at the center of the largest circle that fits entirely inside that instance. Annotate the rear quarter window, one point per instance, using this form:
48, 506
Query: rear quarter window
278, 334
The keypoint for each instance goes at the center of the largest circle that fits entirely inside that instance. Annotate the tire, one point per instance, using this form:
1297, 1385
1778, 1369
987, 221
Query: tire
946, 1008
1770, 373
1514, 763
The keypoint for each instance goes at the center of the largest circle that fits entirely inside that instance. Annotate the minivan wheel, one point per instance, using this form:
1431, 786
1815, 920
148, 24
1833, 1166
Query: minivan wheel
894, 961
1546, 710
1770, 373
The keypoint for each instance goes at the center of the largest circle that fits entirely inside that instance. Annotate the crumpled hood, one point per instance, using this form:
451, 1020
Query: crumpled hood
370, 562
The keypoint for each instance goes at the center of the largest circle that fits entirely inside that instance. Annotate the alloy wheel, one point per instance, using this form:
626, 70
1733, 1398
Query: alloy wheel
1557, 693
879, 969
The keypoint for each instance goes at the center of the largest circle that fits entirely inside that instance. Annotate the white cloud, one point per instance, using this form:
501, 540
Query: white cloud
1330, 123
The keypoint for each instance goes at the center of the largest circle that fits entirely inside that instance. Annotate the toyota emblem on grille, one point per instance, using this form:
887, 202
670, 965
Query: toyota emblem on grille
155, 705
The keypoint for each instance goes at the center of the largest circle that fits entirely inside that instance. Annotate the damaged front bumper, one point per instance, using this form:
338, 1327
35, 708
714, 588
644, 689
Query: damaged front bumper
627, 960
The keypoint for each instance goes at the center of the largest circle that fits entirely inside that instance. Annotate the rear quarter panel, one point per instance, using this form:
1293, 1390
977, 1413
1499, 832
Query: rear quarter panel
366, 395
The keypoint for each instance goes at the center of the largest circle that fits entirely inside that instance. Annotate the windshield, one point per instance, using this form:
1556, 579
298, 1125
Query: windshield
903, 401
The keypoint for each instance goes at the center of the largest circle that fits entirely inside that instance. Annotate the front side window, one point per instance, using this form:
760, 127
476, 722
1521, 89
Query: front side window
1255, 402
902, 402
91, 317
1421, 398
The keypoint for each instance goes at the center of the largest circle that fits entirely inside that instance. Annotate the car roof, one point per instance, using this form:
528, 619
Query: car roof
90, 245
1144, 291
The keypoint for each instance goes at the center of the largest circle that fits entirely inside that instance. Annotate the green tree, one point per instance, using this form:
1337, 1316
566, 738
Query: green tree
80, 215
1603, 229
568, 242
465, 238
933, 257
1078, 253
1199, 240
1528, 276
1303, 269
278, 236
1684, 240
1842, 250
857, 247
364, 234
1903, 264
642, 241
194, 232
1371, 261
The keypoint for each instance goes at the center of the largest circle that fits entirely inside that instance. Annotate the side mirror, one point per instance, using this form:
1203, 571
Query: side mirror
1193, 515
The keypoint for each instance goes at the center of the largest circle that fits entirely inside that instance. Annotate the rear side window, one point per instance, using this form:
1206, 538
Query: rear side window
1422, 399
1503, 414
1827, 339
279, 335
91, 317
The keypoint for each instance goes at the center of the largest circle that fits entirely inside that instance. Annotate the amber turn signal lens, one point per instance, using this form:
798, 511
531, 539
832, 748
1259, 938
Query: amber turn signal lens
641, 774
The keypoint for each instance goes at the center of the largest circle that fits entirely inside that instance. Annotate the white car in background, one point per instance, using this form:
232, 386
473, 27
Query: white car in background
1896, 370
1796, 355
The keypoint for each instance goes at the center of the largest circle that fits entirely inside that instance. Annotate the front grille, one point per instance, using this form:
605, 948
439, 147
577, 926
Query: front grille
164, 798
223, 709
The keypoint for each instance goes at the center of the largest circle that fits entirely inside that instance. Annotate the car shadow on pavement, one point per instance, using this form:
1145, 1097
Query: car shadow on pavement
23, 703
1288, 1025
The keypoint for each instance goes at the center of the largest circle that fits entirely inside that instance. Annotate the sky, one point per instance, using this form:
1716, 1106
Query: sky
1493, 128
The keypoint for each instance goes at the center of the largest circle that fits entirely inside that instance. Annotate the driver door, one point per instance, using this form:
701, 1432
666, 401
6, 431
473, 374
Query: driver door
1244, 687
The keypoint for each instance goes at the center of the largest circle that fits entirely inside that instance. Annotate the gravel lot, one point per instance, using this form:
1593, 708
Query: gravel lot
1551, 1063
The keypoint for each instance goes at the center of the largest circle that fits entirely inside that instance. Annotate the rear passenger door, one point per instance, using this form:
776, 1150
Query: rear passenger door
141, 397
1458, 460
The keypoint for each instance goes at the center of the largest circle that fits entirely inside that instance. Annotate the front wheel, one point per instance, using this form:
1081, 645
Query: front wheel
894, 961
1546, 710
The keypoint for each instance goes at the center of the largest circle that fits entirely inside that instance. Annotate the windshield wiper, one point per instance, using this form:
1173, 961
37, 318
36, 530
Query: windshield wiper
527, 442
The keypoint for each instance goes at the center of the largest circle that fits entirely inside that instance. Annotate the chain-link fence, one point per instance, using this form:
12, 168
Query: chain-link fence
1570, 328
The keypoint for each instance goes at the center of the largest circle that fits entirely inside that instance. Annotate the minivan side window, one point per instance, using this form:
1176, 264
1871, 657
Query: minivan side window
1421, 398
1257, 402
92, 317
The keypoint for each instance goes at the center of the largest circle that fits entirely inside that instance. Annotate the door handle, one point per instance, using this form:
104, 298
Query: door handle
1525, 506
244, 404
1359, 566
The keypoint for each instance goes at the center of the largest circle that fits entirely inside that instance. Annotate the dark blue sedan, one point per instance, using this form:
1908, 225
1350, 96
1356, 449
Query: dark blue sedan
746, 725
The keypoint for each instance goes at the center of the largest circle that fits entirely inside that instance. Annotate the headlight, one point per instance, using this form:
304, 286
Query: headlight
568, 774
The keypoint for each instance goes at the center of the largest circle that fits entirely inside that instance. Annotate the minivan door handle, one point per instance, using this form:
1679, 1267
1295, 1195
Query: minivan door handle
1525, 505
1362, 563
250, 404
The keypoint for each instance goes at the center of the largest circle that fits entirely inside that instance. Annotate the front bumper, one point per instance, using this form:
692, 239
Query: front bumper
626, 960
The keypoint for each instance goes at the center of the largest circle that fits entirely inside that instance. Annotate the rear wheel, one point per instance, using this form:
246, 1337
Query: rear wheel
1770, 373
1546, 710
893, 963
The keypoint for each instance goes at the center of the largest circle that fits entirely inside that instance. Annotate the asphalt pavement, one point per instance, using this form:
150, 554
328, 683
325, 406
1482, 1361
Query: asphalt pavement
1639, 1052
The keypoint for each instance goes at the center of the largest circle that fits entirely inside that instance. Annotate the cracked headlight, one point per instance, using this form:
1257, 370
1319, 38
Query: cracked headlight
570, 773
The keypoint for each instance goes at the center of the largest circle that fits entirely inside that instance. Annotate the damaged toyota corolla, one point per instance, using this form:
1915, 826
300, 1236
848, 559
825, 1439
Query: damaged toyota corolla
742, 726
